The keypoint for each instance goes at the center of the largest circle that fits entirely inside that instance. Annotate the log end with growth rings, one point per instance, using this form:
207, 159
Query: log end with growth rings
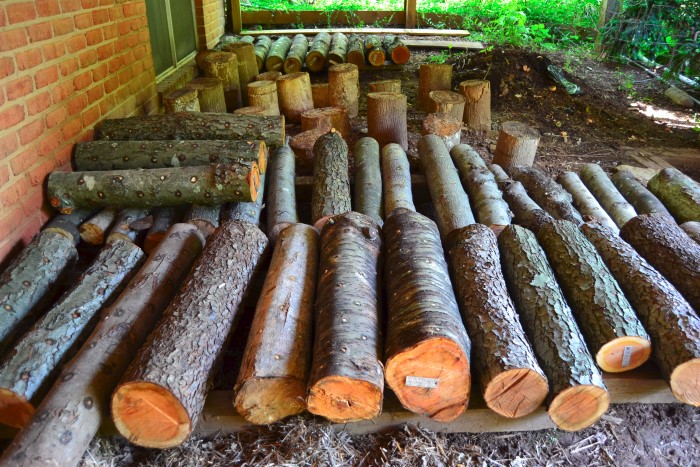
623, 354
343, 399
254, 396
685, 382
15, 410
516, 393
578, 407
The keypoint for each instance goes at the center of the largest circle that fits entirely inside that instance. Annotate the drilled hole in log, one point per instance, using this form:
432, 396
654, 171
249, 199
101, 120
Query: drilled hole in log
685, 382
579, 407
623, 354
15, 410
515, 393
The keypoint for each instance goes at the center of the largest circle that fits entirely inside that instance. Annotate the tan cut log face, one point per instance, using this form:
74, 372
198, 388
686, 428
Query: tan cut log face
343, 399
685, 382
265, 400
623, 354
579, 407
515, 393
16, 410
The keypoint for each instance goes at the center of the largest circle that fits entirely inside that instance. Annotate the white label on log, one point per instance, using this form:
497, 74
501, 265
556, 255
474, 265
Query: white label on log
626, 356
419, 382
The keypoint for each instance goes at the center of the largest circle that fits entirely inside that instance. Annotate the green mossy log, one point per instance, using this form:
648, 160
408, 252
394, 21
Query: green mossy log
277, 54
642, 200
679, 193
294, 61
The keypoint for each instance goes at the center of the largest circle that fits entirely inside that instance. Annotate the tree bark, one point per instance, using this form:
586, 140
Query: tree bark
31, 366
614, 334
498, 173
386, 118
396, 180
584, 200
247, 212
432, 77
162, 393
281, 193
678, 192
451, 203
72, 412
512, 381
163, 218
212, 184
210, 94
339, 49
547, 193
426, 341
605, 192
668, 317
331, 191
641, 199
319, 94
181, 100
95, 229
347, 379
368, 180
294, 61
327, 117
205, 218
121, 230
250, 110
578, 396
197, 126
516, 145
447, 102
294, 94
396, 49
525, 211
692, 229
386, 85
277, 54
668, 249
247, 65
264, 94
262, 47
376, 56
316, 58
224, 67
491, 210
269, 76
477, 108
448, 129
272, 381
344, 87
356, 50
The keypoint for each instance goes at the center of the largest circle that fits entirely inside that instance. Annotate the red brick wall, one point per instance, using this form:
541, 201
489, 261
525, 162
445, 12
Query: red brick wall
64, 66
210, 22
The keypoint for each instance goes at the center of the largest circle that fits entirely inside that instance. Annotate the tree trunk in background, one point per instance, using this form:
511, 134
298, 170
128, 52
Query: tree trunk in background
679, 193
376, 56
368, 180
386, 118
205, 218
432, 77
525, 211
68, 224
396, 180
303, 146
607, 195
516, 145
269, 76
247, 212
331, 191
584, 200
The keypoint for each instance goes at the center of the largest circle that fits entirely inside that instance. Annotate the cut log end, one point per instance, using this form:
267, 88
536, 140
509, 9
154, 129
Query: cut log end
440, 361
319, 224
623, 354
579, 407
15, 410
149, 415
274, 232
685, 382
516, 393
267, 400
342, 399
92, 234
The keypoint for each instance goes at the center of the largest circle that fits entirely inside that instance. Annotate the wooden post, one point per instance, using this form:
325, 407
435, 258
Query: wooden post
294, 94
409, 7
608, 9
236, 18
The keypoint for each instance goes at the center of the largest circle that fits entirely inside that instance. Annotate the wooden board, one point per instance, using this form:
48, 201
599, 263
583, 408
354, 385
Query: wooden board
408, 32
660, 157
452, 45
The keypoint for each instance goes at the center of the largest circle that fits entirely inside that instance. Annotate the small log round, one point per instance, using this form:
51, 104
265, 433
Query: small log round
264, 94
294, 95
477, 108
376, 56
447, 102
337, 117
385, 85
224, 67
432, 77
442, 125
294, 61
316, 58
319, 94
303, 146
516, 145
247, 64
210, 93
395, 49
181, 100
269, 76
277, 54
386, 118
344, 87
356, 50
262, 47
338, 50
251, 110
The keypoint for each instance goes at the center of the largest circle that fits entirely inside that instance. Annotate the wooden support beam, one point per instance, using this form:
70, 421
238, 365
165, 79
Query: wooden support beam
404, 31
409, 7
236, 17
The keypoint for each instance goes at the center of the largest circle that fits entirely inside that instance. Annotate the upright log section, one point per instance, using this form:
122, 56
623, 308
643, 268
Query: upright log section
477, 108
319, 94
614, 334
339, 49
303, 146
281, 193
277, 54
264, 94
224, 67
447, 128
376, 56
670, 320
262, 47
396, 180
432, 77
578, 397
386, 118
331, 190
94, 230
675, 255
210, 94
294, 94
641, 199
344, 87
512, 381
250, 110
28, 370
447, 102
385, 85
347, 379
318, 53
395, 49
584, 200
547, 193
181, 100
272, 381
294, 61
427, 347
679, 193
607, 195
85, 384
356, 50
516, 145
319, 118
368, 180
247, 64
162, 393
163, 218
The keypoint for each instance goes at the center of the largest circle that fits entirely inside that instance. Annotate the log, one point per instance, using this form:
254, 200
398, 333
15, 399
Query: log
607, 195
246, 212
264, 94
212, 184
162, 393
205, 218
250, 110
427, 348
678, 192
327, 117
272, 380
356, 50
224, 67
163, 218
489, 207
294, 94
641, 199
319, 94
448, 129
547, 193
692, 229
578, 397
68, 224
368, 180
396, 50
447, 102
281, 193
347, 379
668, 317
477, 108
181, 100
303, 147
669, 250
95, 229
584, 200
432, 77
121, 230
525, 211
247, 65
318, 53
331, 190
516, 145
386, 118
194, 126
376, 56
201, 57
498, 173
344, 88
210, 94
339, 48
294, 61
31, 366
269, 76
386, 85
614, 334
277, 54
125, 155
451, 203
262, 47
512, 381
396, 180
72, 412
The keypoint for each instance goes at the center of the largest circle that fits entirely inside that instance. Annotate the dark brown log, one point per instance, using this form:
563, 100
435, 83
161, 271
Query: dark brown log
272, 381
385, 85
247, 65
584, 200
447, 128
344, 87
614, 334
281, 193
318, 53
94, 231
163, 218
368, 180
641, 199
294, 61
679, 193
264, 94
427, 347
451, 203
356, 50
212, 184
668, 249
205, 218
327, 117
386, 118
262, 47
432, 77
376, 55
692, 229
477, 108
547, 193
247, 212
339, 49
670, 320
192, 125
294, 94
395, 49
68, 224
512, 381
224, 67
162, 393
269, 76
181, 100
516, 145
29, 369
121, 230
319, 94
347, 379
578, 397
210, 94
331, 192
396, 180
303, 147
607, 195
447, 102
277, 54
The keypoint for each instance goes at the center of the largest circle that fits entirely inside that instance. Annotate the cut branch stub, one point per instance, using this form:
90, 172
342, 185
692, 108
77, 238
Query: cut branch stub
516, 145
